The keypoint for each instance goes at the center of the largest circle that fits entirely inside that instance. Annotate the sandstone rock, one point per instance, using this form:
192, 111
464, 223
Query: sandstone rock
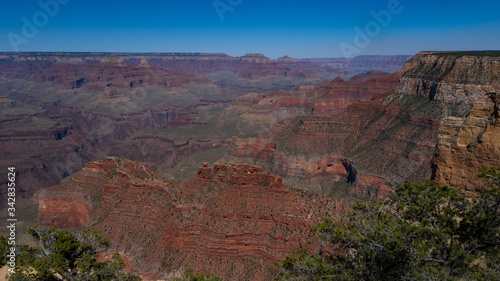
63, 211
144, 63
236, 225
468, 135
467, 144
204, 173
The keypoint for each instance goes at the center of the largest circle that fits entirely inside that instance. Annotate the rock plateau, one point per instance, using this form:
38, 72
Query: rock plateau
234, 220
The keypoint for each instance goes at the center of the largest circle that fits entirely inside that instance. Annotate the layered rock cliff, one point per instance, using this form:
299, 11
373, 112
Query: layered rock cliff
469, 136
234, 220
330, 98
440, 123
385, 142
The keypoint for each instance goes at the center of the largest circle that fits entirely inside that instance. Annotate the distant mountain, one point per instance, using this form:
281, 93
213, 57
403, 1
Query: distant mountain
361, 64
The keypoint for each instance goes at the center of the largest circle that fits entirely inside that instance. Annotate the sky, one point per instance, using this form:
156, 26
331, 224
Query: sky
297, 28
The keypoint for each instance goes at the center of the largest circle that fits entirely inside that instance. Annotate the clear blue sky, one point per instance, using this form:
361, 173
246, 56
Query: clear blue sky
275, 28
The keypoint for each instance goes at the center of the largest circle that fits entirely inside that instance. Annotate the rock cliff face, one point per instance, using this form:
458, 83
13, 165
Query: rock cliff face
234, 220
440, 123
336, 96
468, 138
451, 77
333, 97
467, 144
328, 140
392, 139
64, 211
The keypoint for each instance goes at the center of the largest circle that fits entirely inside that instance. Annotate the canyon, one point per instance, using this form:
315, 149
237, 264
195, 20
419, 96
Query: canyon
61, 110
223, 164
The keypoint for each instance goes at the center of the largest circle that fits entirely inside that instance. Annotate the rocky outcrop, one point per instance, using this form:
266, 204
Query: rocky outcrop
468, 82
265, 110
63, 211
235, 225
336, 96
245, 175
451, 77
204, 173
466, 145
252, 148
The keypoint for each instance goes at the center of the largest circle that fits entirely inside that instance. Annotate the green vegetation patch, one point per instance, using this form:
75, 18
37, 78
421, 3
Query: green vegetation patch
426, 232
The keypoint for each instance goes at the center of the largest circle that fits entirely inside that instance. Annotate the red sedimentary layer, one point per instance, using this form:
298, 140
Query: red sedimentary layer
337, 95
363, 145
441, 122
331, 98
234, 220
64, 211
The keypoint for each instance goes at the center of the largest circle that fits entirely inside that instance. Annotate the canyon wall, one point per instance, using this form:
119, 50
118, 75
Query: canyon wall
342, 138
232, 220
440, 122
468, 138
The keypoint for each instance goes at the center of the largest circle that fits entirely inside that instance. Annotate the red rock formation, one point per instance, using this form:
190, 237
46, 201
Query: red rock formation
371, 187
235, 226
337, 95
252, 148
377, 137
204, 173
245, 175
63, 211
334, 97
